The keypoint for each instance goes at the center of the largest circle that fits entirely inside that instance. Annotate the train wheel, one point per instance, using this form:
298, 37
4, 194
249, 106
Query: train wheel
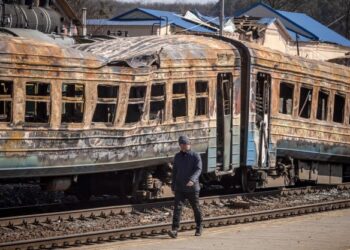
248, 186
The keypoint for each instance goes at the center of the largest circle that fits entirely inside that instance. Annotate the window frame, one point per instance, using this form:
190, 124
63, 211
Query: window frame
293, 86
202, 95
8, 98
74, 100
309, 87
106, 101
158, 98
338, 93
179, 96
136, 101
36, 99
328, 93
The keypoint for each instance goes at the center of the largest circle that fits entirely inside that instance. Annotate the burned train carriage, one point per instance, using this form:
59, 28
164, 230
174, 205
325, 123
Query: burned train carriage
106, 116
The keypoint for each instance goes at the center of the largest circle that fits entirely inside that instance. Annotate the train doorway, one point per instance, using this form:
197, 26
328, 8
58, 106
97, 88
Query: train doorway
263, 106
224, 97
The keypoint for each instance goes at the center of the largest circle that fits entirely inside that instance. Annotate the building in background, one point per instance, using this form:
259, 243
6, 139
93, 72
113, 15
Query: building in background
144, 22
297, 33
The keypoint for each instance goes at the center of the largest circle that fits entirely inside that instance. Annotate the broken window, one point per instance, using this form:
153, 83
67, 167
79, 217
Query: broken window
339, 108
262, 96
6, 91
322, 105
157, 101
106, 106
37, 102
305, 102
72, 103
179, 99
136, 102
286, 98
202, 95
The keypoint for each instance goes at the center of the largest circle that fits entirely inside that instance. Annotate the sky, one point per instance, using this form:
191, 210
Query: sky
171, 1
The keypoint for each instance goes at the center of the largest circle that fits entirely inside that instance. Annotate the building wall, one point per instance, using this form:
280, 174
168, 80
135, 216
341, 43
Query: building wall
129, 30
276, 39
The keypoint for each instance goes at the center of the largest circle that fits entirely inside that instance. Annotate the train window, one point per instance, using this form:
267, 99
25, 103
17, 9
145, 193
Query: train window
106, 104
305, 102
136, 102
286, 98
322, 105
157, 101
6, 92
180, 99
72, 103
339, 108
37, 102
202, 94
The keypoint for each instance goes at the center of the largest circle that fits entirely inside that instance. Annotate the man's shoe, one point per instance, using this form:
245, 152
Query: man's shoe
173, 234
198, 231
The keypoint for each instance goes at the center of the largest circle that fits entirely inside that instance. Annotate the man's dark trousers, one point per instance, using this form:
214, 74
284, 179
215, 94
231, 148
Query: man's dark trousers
193, 198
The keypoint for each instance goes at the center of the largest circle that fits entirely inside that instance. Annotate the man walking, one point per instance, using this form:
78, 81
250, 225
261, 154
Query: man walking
185, 183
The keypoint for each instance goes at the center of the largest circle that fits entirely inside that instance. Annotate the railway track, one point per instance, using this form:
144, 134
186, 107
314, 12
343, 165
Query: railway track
154, 229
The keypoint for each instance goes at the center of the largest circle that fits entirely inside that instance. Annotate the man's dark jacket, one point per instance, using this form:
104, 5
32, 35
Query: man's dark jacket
187, 167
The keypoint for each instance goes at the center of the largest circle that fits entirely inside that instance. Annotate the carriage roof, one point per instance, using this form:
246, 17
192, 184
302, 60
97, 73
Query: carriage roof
26, 51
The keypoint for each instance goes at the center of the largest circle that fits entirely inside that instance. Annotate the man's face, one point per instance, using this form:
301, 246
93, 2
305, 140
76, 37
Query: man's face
185, 147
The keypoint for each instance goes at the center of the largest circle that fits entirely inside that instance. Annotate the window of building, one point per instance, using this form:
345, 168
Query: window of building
6, 92
179, 99
286, 98
72, 103
106, 107
37, 102
136, 104
157, 101
305, 102
339, 108
322, 105
202, 96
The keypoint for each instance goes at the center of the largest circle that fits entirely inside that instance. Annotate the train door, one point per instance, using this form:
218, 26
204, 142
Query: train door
224, 120
263, 106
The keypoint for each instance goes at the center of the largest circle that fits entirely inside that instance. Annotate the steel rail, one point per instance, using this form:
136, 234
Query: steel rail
47, 218
150, 230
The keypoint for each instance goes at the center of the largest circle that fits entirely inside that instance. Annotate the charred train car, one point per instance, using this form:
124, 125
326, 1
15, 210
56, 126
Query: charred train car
107, 115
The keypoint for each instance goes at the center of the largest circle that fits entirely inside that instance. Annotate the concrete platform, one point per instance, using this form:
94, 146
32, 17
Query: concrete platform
323, 231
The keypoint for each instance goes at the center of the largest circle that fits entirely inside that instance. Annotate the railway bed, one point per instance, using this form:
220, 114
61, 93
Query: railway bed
247, 208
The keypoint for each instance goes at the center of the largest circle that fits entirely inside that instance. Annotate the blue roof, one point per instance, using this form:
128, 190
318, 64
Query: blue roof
322, 32
165, 16
315, 29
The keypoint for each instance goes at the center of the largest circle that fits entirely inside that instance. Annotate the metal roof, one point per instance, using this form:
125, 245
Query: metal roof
322, 32
172, 51
171, 17
33, 52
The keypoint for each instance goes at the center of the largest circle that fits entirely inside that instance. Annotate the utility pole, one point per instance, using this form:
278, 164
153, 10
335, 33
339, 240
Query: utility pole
222, 17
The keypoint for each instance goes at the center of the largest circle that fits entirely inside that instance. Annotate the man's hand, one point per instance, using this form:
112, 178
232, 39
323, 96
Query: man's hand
190, 184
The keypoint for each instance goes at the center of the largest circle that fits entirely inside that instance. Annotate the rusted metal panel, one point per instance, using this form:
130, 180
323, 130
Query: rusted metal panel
55, 148
166, 51
292, 135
